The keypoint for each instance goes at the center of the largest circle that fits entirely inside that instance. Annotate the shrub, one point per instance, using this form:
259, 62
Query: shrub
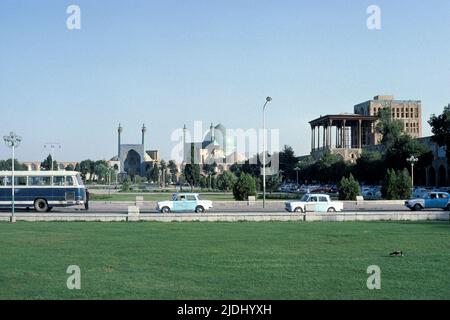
389, 189
404, 184
348, 188
126, 185
226, 181
244, 187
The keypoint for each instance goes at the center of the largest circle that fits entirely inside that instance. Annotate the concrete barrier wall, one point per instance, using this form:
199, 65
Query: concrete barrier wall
233, 217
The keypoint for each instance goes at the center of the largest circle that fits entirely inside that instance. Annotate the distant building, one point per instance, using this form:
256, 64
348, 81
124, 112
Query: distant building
133, 159
407, 111
438, 173
216, 147
348, 134
36, 165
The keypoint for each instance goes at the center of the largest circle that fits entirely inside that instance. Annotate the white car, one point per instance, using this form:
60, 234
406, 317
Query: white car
315, 203
184, 202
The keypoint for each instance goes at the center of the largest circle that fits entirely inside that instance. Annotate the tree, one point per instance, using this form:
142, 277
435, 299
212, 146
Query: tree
226, 181
163, 167
173, 170
69, 167
370, 167
153, 173
440, 126
389, 188
244, 187
348, 188
403, 148
85, 169
47, 164
272, 182
126, 185
192, 174
288, 161
6, 165
391, 129
101, 170
404, 184
210, 170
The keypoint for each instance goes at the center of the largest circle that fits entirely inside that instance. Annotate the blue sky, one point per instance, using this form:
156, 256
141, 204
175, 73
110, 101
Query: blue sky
167, 63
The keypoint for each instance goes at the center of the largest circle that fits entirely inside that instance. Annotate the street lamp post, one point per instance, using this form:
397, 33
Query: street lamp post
412, 160
12, 141
52, 146
297, 170
268, 99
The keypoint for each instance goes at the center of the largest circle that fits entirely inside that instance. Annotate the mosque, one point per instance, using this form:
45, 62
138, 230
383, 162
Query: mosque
133, 159
218, 146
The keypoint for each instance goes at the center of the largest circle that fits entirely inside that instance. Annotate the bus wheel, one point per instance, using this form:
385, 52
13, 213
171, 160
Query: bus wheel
40, 205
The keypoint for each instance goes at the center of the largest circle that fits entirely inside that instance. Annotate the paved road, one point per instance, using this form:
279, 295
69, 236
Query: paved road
219, 207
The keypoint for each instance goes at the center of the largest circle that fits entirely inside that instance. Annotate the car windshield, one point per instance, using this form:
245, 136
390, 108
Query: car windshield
304, 198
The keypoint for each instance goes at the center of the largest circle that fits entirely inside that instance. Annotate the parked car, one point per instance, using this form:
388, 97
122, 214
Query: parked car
420, 193
184, 202
371, 193
322, 189
433, 200
316, 202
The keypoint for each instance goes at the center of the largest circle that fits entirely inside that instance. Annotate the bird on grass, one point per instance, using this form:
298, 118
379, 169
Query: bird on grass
396, 254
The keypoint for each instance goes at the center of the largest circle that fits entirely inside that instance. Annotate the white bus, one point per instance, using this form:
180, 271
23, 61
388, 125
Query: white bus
42, 190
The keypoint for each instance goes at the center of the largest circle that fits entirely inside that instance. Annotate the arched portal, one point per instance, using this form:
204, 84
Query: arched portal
442, 176
132, 164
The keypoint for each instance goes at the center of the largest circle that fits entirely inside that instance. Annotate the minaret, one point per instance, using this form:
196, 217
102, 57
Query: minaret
119, 134
184, 144
211, 129
144, 130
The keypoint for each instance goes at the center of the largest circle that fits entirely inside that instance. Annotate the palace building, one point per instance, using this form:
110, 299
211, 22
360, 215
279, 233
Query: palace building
348, 134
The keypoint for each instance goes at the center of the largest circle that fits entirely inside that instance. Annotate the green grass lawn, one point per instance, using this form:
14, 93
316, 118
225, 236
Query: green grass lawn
261, 260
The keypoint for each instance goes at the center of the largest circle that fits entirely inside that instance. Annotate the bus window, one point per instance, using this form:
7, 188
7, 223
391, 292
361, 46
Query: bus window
79, 180
58, 181
69, 181
20, 181
2, 181
40, 181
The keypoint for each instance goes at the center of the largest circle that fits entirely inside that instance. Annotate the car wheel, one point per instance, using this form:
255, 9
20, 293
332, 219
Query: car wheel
165, 210
417, 207
199, 209
331, 209
298, 209
447, 208
41, 205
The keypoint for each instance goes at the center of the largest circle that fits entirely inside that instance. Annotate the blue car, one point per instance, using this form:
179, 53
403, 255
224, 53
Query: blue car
432, 200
